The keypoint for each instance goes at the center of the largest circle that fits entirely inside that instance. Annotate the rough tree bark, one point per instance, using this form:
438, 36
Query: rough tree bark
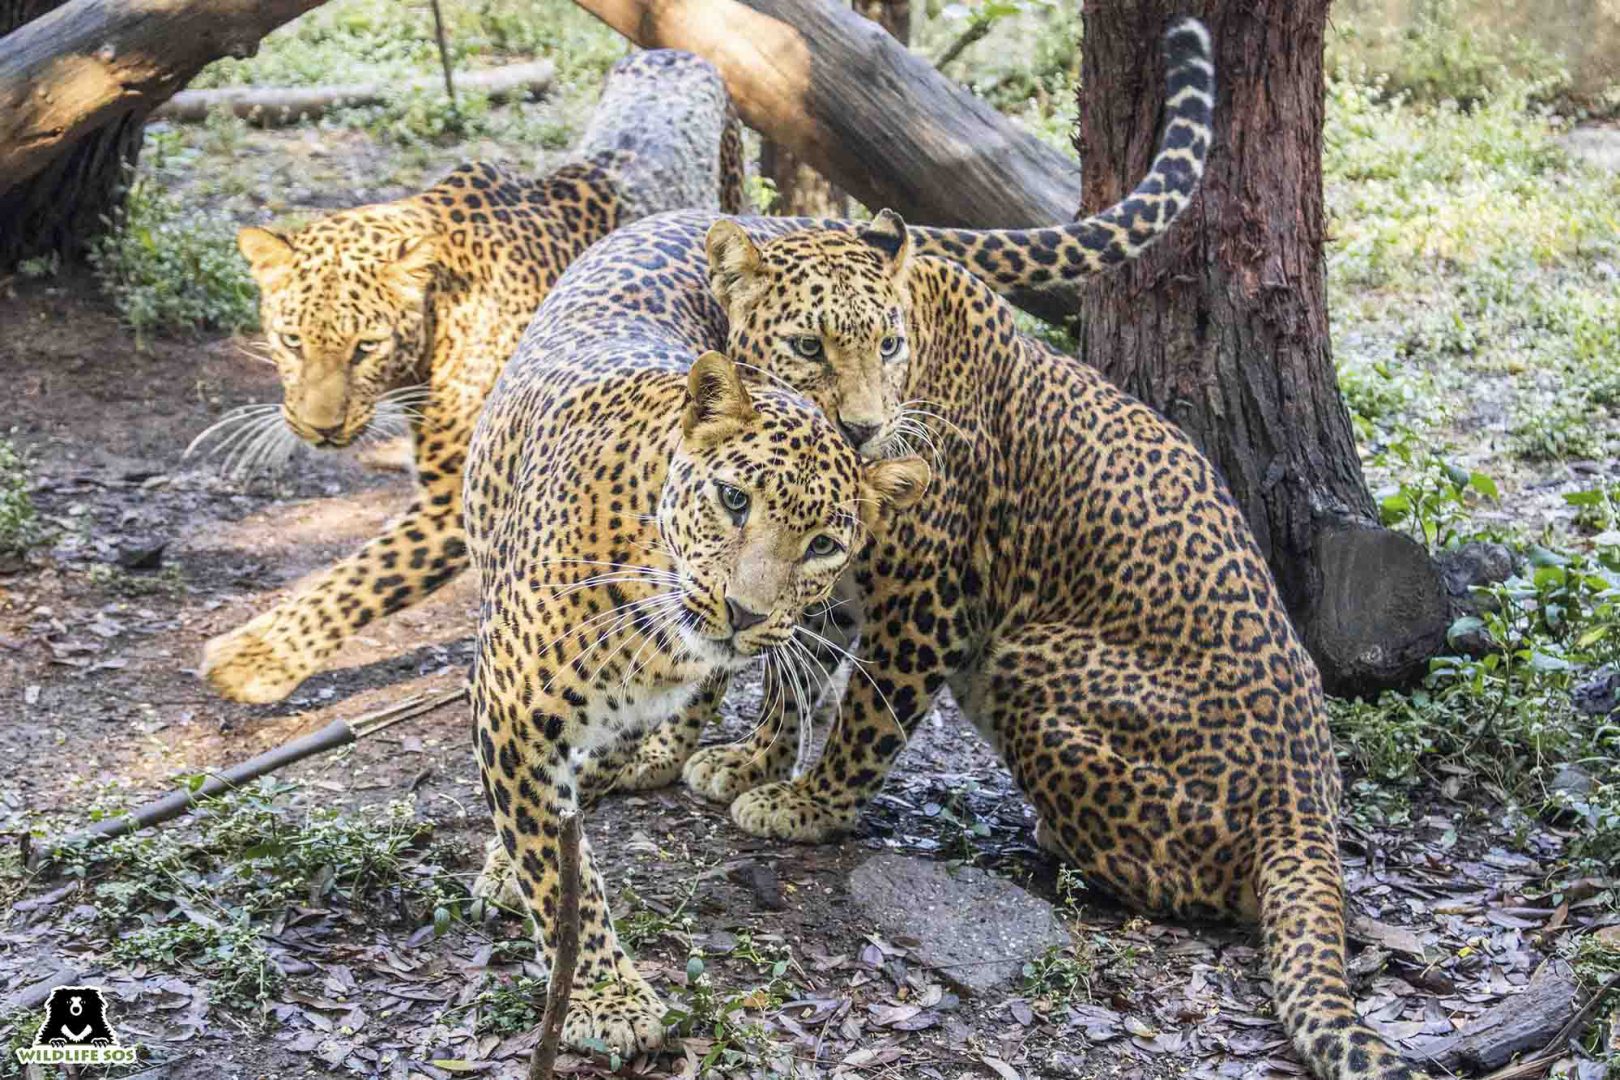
1223, 326
77, 80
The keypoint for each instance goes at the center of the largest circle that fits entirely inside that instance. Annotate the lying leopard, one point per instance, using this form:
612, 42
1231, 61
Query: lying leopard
410, 308
636, 530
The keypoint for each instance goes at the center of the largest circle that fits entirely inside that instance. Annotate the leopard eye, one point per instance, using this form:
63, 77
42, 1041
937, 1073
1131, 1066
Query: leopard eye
735, 500
823, 546
291, 341
888, 347
367, 348
807, 346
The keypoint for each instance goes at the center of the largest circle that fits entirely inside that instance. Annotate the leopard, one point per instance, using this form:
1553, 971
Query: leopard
1077, 577
639, 524
402, 314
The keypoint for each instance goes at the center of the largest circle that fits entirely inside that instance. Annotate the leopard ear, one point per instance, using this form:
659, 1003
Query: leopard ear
269, 254
717, 402
893, 485
733, 261
888, 234
412, 268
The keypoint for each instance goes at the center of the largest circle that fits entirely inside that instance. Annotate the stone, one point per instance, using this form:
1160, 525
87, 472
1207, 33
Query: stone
975, 929
1598, 695
1475, 563
142, 553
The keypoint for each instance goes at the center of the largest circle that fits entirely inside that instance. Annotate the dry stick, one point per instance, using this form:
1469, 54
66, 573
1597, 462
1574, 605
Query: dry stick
543, 1063
977, 29
273, 106
337, 733
444, 56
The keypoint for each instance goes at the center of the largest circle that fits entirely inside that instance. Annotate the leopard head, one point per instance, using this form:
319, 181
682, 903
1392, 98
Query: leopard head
344, 306
825, 311
764, 505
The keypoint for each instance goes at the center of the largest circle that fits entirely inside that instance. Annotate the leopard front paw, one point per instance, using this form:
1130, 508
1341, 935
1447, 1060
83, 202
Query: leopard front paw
785, 811
247, 665
722, 773
654, 765
622, 1013
497, 883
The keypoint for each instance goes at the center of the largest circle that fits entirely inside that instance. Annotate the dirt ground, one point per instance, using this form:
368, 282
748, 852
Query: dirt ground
99, 705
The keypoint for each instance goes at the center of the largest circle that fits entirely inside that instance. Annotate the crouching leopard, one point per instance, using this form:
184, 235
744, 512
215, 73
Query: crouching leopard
636, 530
1077, 575
409, 309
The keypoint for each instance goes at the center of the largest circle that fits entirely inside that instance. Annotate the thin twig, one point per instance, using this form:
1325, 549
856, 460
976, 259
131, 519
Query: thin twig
543, 1063
975, 30
444, 55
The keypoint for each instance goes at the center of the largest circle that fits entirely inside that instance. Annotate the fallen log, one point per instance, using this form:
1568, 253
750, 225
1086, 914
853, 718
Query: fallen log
1525, 1021
337, 733
277, 106
89, 62
843, 95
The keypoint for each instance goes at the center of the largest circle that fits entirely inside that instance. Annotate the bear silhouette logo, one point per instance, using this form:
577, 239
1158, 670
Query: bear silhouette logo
76, 1016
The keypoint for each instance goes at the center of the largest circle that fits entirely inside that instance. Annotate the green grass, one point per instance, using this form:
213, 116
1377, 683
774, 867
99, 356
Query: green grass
171, 269
204, 896
388, 42
1467, 246
19, 522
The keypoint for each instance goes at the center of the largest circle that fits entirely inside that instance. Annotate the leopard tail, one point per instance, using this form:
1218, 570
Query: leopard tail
733, 170
1302, 920
1009, 259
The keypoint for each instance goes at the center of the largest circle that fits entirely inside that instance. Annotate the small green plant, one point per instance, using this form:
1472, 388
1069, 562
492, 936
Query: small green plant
964, 828
115, 579
640, 925
761, 193
170, 269
1431, 498
1556, 429
40, 266
205, 896
734, 1024
507, 1004
19, 522
1059, 975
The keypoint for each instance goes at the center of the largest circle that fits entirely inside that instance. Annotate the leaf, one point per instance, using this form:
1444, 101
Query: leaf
1468, 624
455, 1065
1000, 1067
1484, 485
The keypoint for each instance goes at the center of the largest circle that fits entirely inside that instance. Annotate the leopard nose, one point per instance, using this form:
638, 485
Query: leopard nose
858, 434
741, 617
330, 434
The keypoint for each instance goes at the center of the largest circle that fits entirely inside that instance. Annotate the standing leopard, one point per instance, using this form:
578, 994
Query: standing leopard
1076, 573
636, 530
412, 307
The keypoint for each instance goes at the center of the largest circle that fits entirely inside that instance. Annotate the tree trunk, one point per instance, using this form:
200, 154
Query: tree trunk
1223, 325
77, 80
54, 212
801, 190
850, 100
